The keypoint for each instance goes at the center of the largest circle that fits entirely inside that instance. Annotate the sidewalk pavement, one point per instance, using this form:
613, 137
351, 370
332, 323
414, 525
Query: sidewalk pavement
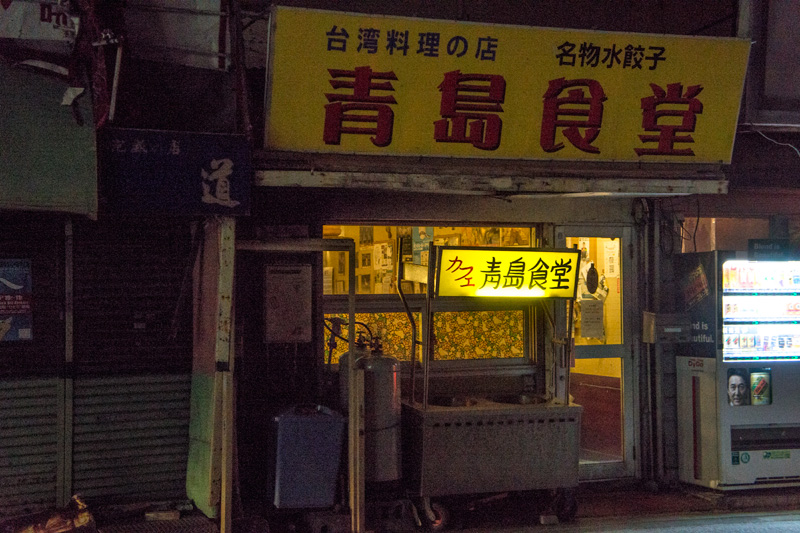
619, 500
599, 500
595, 500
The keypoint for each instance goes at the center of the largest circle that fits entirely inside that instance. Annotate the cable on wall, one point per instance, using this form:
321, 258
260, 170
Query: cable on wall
793, 147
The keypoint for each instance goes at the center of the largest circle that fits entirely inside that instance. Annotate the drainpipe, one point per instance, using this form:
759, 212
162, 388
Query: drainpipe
645, 363
237, 63
659, 350
65, 385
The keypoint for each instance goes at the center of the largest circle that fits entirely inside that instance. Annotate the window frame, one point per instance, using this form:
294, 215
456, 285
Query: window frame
387, 303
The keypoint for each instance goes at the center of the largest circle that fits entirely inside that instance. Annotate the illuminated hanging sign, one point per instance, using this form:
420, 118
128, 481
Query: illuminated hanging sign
404, 86
507, 272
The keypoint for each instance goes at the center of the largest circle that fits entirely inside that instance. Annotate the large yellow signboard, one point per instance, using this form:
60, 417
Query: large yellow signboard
350, 83
507, 272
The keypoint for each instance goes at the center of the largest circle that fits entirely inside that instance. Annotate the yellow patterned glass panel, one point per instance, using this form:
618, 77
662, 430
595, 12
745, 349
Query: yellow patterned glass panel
459, 335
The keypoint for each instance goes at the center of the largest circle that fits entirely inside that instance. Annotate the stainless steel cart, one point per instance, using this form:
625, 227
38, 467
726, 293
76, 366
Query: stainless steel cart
497, 440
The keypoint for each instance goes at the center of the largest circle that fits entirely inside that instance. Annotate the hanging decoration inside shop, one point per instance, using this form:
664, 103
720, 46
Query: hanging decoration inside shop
507, 272
592, 279
392, 85
16, 316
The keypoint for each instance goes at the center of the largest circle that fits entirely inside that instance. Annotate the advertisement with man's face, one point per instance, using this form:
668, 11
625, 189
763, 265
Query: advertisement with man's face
738, 387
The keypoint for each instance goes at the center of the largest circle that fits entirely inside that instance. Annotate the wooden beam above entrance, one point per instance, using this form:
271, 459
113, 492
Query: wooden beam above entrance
486, 185
487, 178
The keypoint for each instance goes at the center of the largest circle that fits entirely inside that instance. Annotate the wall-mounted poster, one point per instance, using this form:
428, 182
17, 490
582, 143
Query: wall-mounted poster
382, 256
611, 258
287, 313
327, 280
366, 284
591, 319
16, 317
420, 237
365, 235
584, 244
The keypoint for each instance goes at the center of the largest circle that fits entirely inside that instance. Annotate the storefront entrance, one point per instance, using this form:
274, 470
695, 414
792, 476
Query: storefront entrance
602, 380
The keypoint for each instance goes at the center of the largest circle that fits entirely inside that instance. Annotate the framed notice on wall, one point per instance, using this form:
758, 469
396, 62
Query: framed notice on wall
287, 304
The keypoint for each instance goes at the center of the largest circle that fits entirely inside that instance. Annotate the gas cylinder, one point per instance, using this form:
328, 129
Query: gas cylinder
382, 411
381, 416
360, 350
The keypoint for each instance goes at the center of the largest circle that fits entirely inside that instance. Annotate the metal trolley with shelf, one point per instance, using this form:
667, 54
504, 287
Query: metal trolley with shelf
505, 434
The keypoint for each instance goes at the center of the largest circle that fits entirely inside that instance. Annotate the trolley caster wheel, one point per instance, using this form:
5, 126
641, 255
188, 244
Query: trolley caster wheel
565, 505
439, 520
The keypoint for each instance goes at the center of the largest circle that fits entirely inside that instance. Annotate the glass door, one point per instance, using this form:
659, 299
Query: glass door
602, 380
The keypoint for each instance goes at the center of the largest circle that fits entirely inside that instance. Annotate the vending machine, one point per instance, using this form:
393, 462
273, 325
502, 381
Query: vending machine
738, 378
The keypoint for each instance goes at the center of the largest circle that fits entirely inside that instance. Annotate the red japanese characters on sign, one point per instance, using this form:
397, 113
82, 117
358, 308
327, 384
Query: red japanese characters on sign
470, 104
667, 136
361, 100
585, 114
404, 86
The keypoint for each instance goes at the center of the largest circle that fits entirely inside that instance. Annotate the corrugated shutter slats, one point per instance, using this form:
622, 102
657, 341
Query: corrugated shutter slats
28, 445
132, 376
127, 290
130, 437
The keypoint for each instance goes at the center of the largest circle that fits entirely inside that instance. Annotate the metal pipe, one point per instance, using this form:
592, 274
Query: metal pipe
426, 353
225, 228
297, 245
355, 401
178, 10
115, 84
650, 372
64, 459
186, 51
565, 360
237, 56
648, 364
659, 415
412, 393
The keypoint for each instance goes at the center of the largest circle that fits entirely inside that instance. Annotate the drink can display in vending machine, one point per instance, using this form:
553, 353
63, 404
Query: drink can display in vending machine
760, 387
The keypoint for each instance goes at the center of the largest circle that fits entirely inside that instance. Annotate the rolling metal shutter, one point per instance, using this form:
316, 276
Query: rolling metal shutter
112, 423
31, 391
132, 360
131, 437
132, 293
29, 433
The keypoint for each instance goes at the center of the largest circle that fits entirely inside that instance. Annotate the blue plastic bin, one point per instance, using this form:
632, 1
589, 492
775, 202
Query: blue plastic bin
309, 446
